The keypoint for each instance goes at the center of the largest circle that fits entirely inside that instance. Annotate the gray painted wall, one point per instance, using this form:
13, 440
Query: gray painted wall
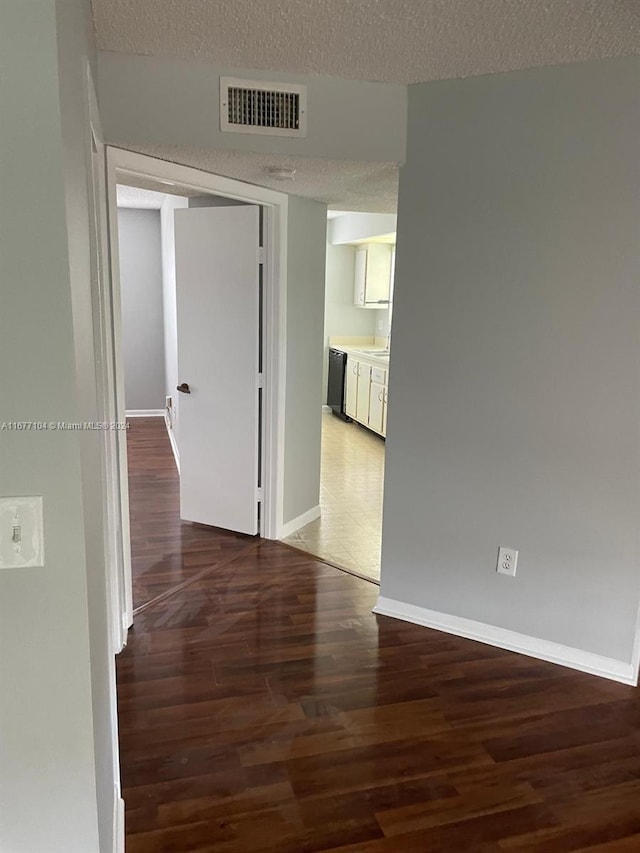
515, 392
57, 780
140, 251
75, 45
341, 316
147, 99
307, 226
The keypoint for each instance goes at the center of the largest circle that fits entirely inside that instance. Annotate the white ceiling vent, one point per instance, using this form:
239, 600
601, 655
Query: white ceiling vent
252, 106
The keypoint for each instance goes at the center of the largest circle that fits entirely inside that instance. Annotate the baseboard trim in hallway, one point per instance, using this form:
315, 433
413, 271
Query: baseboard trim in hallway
296, 523
145, 413
172, 441
118, 823
511, 641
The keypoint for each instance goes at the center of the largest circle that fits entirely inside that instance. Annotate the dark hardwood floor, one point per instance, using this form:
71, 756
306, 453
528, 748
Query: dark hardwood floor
165, 552
264, 708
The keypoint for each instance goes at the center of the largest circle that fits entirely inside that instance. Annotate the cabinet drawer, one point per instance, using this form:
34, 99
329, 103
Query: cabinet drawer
378, 374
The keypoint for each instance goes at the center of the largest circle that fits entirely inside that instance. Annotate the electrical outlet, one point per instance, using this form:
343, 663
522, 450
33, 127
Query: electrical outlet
507, 561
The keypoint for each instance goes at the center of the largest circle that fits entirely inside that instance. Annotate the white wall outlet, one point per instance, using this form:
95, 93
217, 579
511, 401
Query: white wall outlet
21, 532
507, 561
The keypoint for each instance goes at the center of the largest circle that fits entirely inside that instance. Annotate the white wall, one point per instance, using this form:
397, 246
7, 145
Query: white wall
169, 205
141, 290
352, 227
57, 782
149, 99
341, 316
514, 402
307, 230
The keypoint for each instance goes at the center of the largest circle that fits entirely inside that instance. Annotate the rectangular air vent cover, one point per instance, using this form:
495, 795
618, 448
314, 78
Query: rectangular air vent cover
252, 106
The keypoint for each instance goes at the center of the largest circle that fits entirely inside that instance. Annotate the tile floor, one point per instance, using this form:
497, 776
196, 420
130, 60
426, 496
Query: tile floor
349, 531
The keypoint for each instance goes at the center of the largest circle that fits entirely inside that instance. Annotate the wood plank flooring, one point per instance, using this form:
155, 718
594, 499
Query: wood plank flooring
165, 552
264, 708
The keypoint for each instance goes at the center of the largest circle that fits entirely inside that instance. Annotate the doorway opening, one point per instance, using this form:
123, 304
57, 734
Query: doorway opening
360, 264
156, 266
197, 287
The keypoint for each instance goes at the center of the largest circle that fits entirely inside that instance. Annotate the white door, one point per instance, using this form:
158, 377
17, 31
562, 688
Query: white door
218, 299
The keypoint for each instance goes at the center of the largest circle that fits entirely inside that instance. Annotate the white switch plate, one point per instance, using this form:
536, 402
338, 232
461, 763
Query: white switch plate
21, 532
507, 561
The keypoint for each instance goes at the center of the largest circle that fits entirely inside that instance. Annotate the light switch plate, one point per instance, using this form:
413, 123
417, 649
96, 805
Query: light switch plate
21, 532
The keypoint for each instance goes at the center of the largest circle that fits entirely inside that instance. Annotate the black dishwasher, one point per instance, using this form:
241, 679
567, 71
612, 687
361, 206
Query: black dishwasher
335, 385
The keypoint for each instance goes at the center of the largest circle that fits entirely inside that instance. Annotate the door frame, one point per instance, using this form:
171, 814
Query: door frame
123, 166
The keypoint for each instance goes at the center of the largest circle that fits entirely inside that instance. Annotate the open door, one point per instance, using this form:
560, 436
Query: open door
218, 310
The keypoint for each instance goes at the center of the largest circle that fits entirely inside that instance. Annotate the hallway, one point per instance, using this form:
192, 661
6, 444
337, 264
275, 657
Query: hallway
262, 707
165, 552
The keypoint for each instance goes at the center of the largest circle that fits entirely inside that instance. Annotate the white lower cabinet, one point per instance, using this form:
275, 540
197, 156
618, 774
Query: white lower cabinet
376, 407
351, 389
364, 381
366, 395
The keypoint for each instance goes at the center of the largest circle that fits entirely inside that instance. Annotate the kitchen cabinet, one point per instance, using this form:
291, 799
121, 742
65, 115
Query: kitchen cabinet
351, 389
358, 379
373, 275
366, 394
376, 407
364, 381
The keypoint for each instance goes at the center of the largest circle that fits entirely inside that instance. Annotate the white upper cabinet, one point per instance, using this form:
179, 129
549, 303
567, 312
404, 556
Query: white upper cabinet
373, 275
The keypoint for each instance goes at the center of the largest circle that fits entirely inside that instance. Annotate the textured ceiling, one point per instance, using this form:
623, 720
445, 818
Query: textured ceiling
402, 41
345, 184
399, 41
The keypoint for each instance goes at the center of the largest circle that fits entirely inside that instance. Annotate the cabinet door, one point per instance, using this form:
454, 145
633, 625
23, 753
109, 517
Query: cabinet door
351, 390
378, 274
364, 381
360, 279
376, 407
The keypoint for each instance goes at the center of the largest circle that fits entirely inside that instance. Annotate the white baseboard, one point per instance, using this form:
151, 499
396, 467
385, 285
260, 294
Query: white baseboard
172, 441
118, 823
512, 641
326, 410
145, 413
296, 523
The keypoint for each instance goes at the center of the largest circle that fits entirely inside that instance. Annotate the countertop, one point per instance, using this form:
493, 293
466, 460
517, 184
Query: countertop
365, 353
